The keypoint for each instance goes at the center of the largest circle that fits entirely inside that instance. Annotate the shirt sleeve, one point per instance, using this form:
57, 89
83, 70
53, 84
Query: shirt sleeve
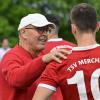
21, 75
49, 78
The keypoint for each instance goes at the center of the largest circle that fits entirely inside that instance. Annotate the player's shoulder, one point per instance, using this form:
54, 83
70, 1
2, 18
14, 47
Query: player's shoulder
56, 66
69, 43
98, 47
97, 50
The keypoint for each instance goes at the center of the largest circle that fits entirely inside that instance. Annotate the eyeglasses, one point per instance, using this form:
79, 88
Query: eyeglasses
40, 29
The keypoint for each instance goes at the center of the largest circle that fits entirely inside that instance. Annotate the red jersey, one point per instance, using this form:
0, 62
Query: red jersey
78, 77
18, 73
56, 43
51, 45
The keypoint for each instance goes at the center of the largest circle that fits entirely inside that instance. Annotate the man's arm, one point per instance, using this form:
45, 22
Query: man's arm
42, 94
48, 83
16, 73
21, 75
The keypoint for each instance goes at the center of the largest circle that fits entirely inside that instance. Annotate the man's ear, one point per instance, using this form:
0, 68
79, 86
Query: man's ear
73, 28
23, 33
98, 26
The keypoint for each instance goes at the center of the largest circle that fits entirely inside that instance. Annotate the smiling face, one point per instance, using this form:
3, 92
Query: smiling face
35, 38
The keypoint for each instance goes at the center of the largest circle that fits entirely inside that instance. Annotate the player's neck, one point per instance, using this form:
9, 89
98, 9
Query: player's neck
86, 39
52, 36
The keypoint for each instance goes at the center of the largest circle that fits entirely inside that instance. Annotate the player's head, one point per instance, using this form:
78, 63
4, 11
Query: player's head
83, 18
56, 20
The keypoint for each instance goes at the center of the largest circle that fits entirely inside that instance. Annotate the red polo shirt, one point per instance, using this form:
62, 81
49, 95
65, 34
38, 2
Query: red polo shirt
18, 73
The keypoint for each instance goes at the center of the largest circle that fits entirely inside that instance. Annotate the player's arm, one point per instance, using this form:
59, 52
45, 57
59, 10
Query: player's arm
42, 93
48, 83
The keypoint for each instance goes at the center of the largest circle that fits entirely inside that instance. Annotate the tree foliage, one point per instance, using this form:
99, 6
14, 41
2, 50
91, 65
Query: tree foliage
11, 11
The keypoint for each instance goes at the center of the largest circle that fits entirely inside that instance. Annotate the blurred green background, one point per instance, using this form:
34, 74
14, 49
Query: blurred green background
11, 11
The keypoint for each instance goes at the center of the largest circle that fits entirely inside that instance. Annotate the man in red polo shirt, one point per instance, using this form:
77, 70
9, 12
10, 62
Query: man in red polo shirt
20, 67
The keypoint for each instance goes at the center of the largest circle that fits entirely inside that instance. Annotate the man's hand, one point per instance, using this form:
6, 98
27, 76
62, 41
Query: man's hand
56, 55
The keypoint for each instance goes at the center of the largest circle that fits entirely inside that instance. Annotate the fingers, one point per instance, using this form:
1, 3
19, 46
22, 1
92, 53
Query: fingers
57, 59
60, 55
64, 51
51, 56
56, 55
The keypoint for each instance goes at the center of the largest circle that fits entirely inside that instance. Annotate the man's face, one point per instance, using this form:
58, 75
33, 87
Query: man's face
5, 43
36, 37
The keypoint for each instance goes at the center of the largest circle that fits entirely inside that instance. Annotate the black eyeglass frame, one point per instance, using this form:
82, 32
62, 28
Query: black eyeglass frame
41, 30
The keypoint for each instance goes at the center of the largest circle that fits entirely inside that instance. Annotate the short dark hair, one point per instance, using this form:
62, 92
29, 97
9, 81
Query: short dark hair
54, 19
84, 17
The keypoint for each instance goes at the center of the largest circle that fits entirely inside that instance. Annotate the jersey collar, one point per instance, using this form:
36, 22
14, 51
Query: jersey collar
55, 39
85, 47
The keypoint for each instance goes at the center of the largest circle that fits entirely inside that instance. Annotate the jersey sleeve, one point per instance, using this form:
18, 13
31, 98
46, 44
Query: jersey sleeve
21, 75
49, 78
